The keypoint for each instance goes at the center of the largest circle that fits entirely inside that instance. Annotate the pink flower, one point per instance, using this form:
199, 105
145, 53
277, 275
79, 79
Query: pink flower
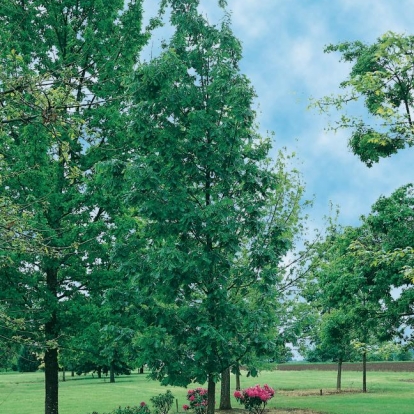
143, 404
198, 399
186, 407
238, 394
255, 398
270, 390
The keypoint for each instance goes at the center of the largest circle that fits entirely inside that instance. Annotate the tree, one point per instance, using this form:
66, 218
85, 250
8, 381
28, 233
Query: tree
389, 249
351, 292
331, 323
390, 351
63, 110
218, 216
390, 222
382, 77
336, 333
102, 342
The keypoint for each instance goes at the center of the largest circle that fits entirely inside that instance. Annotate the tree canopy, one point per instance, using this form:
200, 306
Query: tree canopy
361, 276
216, 213
63, 91
382, 78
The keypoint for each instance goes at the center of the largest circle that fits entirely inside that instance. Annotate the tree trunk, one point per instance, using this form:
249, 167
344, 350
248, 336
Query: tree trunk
339, 375
111, 372
238, 388
63, 374
364, 371
141, 370
51, 353
225, 403
99, 371
211, 394
51, 381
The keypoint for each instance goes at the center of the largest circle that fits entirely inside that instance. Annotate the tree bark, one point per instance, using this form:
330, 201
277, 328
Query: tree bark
225, 402
238, 387
51, 381
111, 372
364, 371
211, 394
51, 353
339, 376
63, 374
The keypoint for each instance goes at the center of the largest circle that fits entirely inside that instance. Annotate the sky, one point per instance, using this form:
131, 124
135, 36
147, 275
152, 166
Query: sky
283, 43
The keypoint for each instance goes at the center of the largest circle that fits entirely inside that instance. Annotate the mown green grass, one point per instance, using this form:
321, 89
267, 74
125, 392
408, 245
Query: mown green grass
388, 392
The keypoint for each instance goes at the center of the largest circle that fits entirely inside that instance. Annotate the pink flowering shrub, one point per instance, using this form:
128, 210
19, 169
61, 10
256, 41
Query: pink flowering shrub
197, 400
255, 398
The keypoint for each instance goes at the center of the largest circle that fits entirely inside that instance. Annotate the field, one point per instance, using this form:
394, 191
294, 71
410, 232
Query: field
388, 392
350, 366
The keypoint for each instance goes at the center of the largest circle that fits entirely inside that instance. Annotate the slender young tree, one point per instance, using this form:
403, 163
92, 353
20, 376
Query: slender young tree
335, 340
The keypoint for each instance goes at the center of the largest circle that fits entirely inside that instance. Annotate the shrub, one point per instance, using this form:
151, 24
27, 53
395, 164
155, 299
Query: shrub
162, 403
141, 409
255, 398
197, 401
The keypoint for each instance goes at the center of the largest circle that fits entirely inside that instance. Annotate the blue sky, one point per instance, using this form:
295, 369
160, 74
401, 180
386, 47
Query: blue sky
283, 42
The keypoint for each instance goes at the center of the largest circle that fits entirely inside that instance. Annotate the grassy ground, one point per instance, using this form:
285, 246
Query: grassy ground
388, 392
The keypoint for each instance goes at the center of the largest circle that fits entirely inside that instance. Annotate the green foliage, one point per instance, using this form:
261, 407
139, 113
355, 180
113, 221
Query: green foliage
218, 215
28, 361
197, 400
213, 215
9, 343
371, 145
356, 307
387, 250
64, 100
142, 409
334, 338
381, 76
354, 276
255, 398
162, 403
390, 351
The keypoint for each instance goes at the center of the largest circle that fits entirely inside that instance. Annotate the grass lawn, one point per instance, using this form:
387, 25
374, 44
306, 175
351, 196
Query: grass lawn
388, 392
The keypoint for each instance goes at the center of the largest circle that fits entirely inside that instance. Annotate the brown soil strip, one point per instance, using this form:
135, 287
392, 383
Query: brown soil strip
372, 366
